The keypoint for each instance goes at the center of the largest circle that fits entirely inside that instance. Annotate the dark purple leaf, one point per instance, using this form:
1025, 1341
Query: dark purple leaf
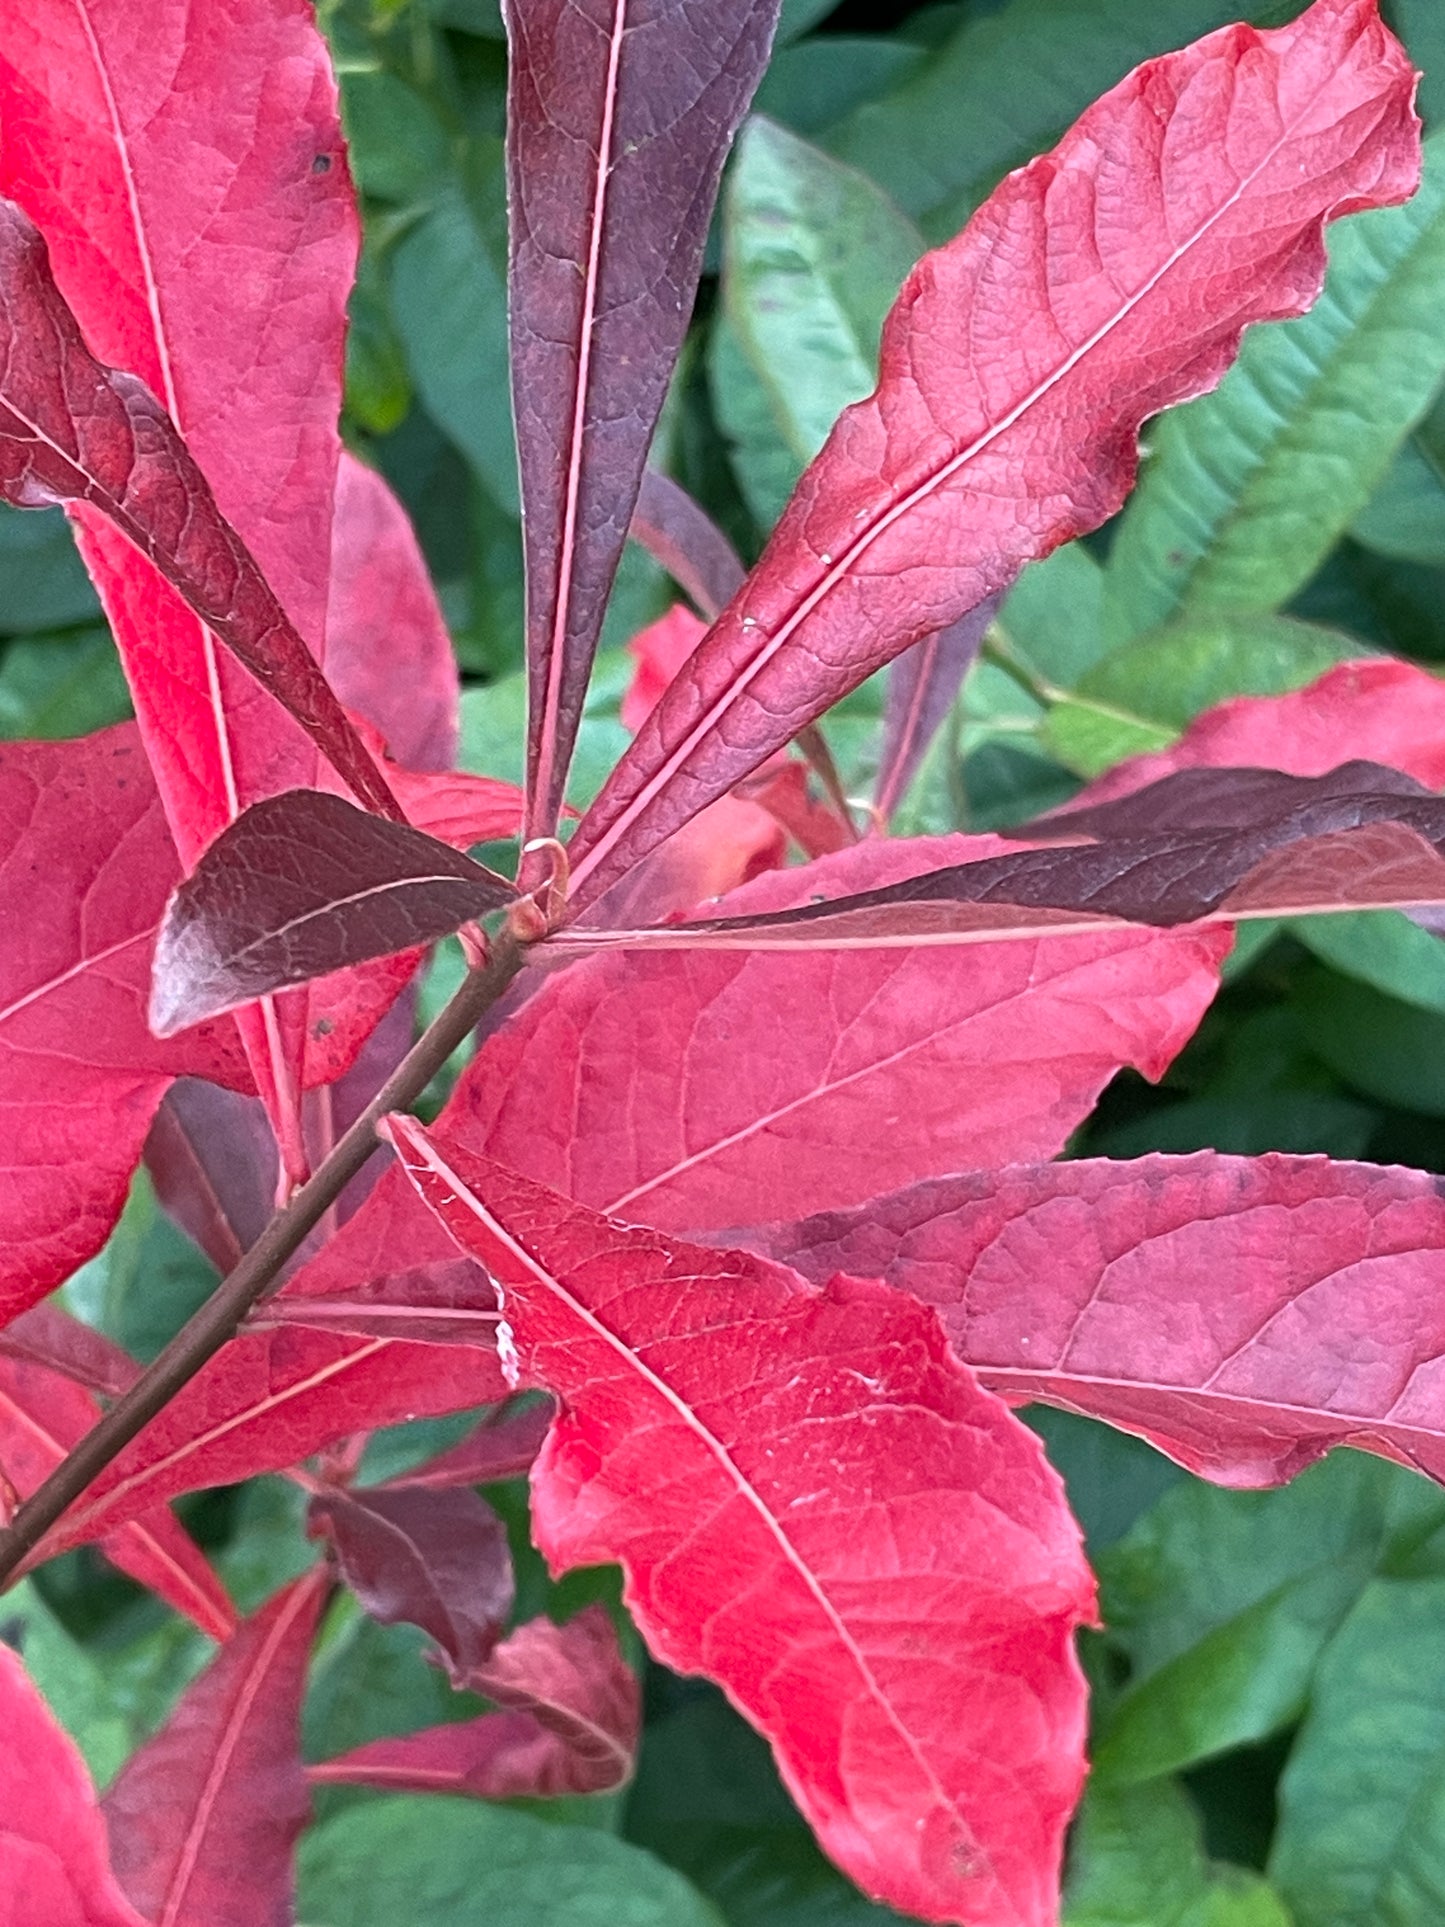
212, 1159
300, 885
72, 430
502, 1446
1360, 838
434, 1559
684, 539
923, 684
571, 1726
620, 114
46, 1335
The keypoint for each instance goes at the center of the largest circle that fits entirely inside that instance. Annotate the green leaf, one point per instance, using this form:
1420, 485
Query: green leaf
77, 1690
399, 149
1140, 695
435, 1862
797, 16
1361, 1837
450, 264
66, 685
814, 256
1052, 621
1246, 490
1111, 1478
147, 1281
1223, 1601
43, 583
1138, 1860
1392, 1051
1405, 517
811, 87
1004, 86
766, 469
1421, 25
1382, 948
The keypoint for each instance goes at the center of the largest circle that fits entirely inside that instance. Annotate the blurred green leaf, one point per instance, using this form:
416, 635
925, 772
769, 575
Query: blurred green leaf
811, 87
1361, 1837
1111, 1477
1421, 25
43, 583
1004, 86
797, 16
1382, 948
1245, 490
1223, 1601
452, 263
378, 388
814, 256
1390, 1050
1138, 1860
441, 1862
74, 1686
1141, 695
399, 148
1052, 620
1405, 516
472, 16
765, 467
66, 685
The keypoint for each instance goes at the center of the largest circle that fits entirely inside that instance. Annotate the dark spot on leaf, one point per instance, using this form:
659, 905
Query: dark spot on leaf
323, 1027
322, 164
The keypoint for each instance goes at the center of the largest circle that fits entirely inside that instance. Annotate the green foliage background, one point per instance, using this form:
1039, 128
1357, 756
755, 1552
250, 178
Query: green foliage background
1270, 1689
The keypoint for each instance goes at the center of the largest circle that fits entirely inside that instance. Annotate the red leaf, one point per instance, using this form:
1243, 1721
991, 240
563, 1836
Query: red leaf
572, 1729
619, 119
503, 1446
54, 1860
747, 1080
43, 1413
212, 1159
50, 1337
660, 651
1242, 1314
204, 1817
299, 886
923, 685
681, 536
388, 653
814, 1504
266, 1401
1099, 284
1378, 711
84, 846
75, 432
434, 1559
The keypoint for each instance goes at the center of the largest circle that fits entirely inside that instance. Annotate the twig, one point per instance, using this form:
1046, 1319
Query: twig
221, 1315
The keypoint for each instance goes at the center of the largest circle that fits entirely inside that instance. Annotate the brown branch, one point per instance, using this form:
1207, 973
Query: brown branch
221, 1315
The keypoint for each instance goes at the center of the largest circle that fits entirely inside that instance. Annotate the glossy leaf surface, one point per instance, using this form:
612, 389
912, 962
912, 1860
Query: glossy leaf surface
301, 885
1135, 234
816, 1506
620, 117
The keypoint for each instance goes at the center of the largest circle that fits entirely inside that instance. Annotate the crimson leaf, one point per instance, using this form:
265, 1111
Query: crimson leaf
84, 847
300, 885
44, 1411
813, 1503
1096, 1287
204, 1817
74, 431
54, 1861
619, 118
435, 1559
502, 1446
1103, 282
